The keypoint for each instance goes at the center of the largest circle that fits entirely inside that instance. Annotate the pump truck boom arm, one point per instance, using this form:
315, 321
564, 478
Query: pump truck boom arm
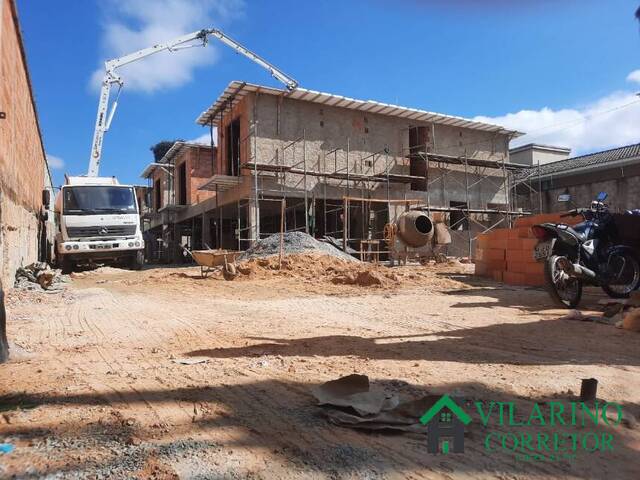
105, 114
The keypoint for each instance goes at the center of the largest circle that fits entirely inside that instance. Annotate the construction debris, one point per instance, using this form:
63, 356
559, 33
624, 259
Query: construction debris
621, 312
190, 360
352, 402
40, 277
293, 242
578, 315
624, 313
631, 321
6, 448
354, 391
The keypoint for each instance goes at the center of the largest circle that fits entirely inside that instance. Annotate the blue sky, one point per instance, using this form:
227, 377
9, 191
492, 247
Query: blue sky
565, 70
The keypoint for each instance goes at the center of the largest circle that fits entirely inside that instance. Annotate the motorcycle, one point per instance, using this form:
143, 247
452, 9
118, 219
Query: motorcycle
587, 253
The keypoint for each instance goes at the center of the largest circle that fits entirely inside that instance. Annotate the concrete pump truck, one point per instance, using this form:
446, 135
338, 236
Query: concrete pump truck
98, 218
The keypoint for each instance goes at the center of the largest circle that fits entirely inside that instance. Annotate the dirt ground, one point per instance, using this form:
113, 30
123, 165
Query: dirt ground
96, 387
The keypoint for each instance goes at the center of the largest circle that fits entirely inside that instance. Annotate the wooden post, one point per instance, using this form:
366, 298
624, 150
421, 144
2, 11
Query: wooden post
4, 344
345, 221
282, 213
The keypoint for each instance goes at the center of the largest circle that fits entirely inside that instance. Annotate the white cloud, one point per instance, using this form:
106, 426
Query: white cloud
130, 25
55, 163
611, 121
634, 76
205, 138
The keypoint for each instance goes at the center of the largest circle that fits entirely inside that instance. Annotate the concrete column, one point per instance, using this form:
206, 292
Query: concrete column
253, 221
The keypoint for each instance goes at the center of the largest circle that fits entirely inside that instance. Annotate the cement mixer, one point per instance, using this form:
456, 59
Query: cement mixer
415, 235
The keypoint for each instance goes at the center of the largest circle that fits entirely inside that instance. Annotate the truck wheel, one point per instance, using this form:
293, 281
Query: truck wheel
66, 265
137, 261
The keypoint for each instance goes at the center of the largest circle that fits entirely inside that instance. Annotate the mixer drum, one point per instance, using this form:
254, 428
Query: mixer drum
415, 228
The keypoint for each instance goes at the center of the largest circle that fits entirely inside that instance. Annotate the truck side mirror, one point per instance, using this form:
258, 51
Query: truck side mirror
46, 198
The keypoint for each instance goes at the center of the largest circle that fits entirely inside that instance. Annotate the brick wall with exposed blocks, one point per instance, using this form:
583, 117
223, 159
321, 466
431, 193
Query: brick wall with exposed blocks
200, 167
22, 158
506, 254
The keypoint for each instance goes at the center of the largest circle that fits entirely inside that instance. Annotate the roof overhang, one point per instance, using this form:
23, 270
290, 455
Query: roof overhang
623, 162
169, 158
237, 90
146, 173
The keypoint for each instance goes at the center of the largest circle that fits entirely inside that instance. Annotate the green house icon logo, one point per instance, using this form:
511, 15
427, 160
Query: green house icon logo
445, 422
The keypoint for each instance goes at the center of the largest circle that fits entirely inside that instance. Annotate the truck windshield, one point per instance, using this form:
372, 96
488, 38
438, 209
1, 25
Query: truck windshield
91, 200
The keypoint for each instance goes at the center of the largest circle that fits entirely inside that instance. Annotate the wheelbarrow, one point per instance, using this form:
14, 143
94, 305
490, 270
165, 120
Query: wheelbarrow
213, 260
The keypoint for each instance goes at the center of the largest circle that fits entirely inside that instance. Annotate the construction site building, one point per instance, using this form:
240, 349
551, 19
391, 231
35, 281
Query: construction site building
338, 167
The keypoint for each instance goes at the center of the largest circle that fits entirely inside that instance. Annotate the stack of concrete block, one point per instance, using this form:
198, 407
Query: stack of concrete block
506, 254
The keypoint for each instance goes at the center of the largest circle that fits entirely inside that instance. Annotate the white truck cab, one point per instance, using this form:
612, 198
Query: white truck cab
98, 222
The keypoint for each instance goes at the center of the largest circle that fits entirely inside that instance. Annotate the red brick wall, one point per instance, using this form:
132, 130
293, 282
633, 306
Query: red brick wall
22, 160
199, 169
239, 111
506, 254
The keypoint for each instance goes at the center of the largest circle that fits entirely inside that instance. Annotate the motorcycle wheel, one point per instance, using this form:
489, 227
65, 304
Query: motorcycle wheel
629, 275
566, 291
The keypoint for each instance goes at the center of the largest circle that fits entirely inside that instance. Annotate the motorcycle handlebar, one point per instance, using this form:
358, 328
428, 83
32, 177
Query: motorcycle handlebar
575, 212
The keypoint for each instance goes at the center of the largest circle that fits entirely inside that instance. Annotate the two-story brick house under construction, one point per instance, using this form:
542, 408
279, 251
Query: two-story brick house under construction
173, 206
343, 168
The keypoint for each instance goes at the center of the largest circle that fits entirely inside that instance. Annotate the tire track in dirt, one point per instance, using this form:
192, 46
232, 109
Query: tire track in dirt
148, 387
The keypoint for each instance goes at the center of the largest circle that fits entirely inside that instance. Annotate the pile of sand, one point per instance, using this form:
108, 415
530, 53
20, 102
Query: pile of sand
316, 267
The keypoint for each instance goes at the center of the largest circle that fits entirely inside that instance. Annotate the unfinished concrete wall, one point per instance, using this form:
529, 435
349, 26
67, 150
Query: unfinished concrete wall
22, 158
280, 121
624, 194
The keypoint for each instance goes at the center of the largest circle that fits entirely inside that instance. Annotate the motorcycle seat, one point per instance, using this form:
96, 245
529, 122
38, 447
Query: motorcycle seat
582, 236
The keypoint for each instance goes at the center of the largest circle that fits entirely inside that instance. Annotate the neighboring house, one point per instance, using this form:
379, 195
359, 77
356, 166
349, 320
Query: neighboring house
174, 205
534, 154
25, 234
615, 171
343, 167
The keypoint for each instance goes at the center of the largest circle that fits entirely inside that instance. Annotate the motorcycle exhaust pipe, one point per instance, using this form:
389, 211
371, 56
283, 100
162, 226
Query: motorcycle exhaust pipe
582, 271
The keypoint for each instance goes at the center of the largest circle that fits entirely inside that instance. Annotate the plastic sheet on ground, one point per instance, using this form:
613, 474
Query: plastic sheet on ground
352, 402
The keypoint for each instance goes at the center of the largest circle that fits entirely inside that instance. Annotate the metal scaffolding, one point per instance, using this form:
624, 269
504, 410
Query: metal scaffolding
346, 185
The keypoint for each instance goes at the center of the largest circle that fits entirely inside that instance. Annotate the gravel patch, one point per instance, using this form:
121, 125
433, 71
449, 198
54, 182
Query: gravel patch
294, 242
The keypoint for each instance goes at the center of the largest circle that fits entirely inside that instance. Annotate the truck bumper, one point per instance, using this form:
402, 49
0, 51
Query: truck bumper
111, 249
